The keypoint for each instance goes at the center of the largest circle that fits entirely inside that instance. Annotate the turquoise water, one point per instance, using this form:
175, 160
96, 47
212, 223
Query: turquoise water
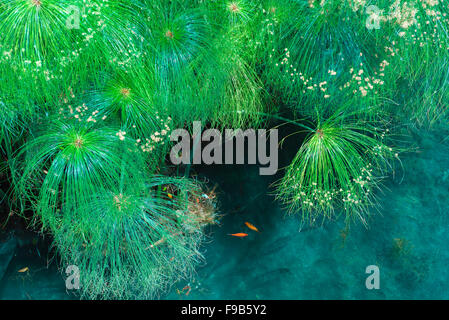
408, 239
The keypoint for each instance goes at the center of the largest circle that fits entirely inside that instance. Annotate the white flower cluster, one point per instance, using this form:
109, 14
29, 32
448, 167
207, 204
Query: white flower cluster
157, 138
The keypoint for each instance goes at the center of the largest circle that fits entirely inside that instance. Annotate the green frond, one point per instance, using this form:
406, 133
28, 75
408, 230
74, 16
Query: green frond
35, 29
175, 35
131, 242
338, 167
68, 162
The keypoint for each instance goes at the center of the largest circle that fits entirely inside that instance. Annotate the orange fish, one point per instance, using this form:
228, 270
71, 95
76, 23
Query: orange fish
240, 235
188, 288
252, 227
170, 195
23, 270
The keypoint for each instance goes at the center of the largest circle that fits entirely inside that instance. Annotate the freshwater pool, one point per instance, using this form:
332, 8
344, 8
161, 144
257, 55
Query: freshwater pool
408, 239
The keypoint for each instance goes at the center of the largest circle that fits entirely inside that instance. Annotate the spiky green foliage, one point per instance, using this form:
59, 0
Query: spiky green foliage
414, 34
38, 31
177, 34
13, 119
338, 168
90, 91
90, 188
235, 13
130, 242
68, 162
426, 103
38, 45
344, 71
201, 58
124, 100
331, 26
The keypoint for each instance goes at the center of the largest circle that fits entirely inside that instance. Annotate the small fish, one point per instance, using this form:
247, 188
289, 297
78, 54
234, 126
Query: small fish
172, 258
24, 270
240, 235
197, 200
170, 195
252, 227
188, 288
